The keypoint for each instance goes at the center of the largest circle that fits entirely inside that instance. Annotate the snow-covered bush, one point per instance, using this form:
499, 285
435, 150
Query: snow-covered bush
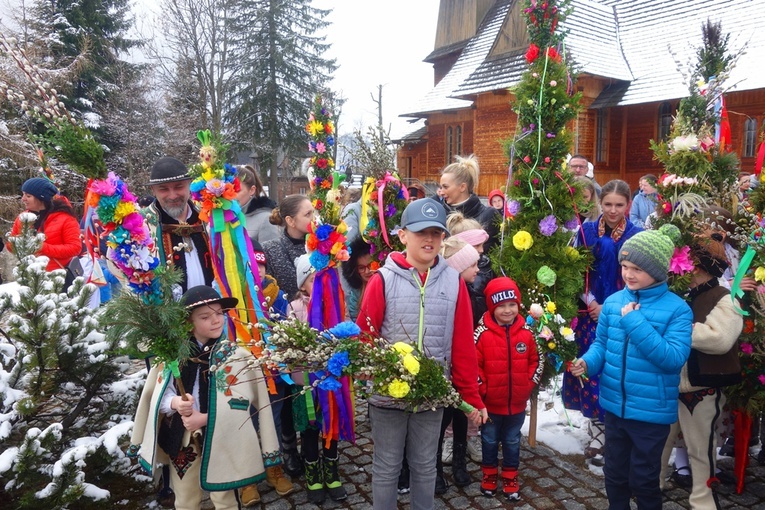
63, 400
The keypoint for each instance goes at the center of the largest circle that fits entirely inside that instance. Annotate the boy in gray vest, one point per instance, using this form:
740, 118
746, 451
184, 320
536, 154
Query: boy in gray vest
417, 298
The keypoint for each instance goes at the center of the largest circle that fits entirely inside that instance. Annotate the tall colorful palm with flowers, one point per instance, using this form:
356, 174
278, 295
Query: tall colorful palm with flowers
699, 167
214, 187
536, 249
326, 246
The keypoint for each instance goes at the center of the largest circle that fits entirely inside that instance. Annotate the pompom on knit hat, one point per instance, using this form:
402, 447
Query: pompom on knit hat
40, 188
651, 251
499, 290
303, 268
463, 258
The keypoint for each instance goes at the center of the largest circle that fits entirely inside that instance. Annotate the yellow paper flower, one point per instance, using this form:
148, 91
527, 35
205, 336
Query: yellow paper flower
411, 364
551, 307
572, 253
398, 388
551, 345
315, 127
403, 348
759, 274
522, 240
122, 210
208, 174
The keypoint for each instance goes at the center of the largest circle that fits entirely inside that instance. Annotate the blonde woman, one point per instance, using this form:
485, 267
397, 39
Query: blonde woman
459, 181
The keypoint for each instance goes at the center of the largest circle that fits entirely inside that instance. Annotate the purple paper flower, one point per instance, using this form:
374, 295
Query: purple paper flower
548, 225
571, 224
390, 210
513, 207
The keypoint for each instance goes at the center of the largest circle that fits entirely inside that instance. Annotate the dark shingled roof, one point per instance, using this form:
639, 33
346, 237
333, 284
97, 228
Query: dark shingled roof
647, 47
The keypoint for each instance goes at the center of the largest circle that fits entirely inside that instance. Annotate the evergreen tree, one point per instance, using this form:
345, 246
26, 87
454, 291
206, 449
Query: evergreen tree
279, 64
58, 391
99, 30
544, 198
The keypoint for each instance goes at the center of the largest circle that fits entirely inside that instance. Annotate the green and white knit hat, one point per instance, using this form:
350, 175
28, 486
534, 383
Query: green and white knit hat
651, 251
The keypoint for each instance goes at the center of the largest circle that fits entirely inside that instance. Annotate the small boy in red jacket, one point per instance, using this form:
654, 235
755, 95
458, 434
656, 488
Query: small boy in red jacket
509, 367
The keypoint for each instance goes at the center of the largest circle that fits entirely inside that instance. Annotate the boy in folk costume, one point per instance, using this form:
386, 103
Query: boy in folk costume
171, 429
713, 364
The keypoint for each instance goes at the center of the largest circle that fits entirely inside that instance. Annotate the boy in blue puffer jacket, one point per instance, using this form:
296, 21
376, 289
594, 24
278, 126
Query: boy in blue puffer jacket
642, 341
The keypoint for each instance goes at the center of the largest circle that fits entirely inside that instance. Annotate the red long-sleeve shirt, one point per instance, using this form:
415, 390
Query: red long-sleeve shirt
464, 360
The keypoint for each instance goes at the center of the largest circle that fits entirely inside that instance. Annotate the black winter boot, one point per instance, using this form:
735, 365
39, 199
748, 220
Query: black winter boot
293, 461
332, 482
459, 466
441, 485
314, 482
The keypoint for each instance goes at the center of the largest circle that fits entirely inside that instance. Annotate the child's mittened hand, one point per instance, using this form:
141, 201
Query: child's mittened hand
578, 368
630, 307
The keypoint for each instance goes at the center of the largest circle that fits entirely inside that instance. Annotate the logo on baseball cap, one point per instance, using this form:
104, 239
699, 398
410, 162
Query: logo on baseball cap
424, 213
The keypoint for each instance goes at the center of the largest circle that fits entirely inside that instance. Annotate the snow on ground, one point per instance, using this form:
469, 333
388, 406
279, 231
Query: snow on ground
563, 430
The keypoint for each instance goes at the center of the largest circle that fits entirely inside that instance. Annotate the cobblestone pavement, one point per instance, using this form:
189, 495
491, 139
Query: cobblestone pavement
548, 480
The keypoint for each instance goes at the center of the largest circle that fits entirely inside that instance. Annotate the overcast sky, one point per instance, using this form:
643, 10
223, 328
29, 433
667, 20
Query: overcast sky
375, 43
381, 43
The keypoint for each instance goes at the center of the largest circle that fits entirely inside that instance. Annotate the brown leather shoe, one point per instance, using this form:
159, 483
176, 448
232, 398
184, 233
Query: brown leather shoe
276, 479
250, 496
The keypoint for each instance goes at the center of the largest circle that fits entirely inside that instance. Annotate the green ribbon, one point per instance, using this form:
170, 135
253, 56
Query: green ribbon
173, 366
743, 267
310, 407
219, 223
204, 137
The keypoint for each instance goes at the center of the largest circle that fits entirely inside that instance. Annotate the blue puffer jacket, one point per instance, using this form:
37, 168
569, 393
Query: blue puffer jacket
640, 355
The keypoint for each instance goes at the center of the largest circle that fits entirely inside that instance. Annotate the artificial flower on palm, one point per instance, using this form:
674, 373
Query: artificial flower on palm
384, 199
130, 246
324, 181
215, 184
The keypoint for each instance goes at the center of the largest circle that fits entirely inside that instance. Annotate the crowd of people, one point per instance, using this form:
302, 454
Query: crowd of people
641, 376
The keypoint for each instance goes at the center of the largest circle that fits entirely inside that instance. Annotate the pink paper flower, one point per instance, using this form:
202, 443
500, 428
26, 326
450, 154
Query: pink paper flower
762, 378
681, 261
321, 148
747, 348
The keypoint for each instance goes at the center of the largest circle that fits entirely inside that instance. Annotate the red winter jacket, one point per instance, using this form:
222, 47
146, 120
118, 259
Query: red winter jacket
62, 239
509, 364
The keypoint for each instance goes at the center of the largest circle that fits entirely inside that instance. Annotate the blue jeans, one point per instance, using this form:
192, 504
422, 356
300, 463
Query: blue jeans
633, 462
392, 430
504, 428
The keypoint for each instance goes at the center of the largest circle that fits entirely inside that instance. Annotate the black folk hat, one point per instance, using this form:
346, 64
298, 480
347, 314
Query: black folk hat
168, 169
203, 295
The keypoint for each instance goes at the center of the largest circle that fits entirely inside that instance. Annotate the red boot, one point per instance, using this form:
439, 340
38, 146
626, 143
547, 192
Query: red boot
510, 484
489, 481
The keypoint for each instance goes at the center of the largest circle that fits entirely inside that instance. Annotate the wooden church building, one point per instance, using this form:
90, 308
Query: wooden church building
633, 61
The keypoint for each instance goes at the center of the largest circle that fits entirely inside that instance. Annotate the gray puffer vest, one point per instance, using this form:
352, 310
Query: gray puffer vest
403, 307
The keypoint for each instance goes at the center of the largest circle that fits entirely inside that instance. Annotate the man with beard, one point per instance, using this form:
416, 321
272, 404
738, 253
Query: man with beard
175, 226
181, 241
